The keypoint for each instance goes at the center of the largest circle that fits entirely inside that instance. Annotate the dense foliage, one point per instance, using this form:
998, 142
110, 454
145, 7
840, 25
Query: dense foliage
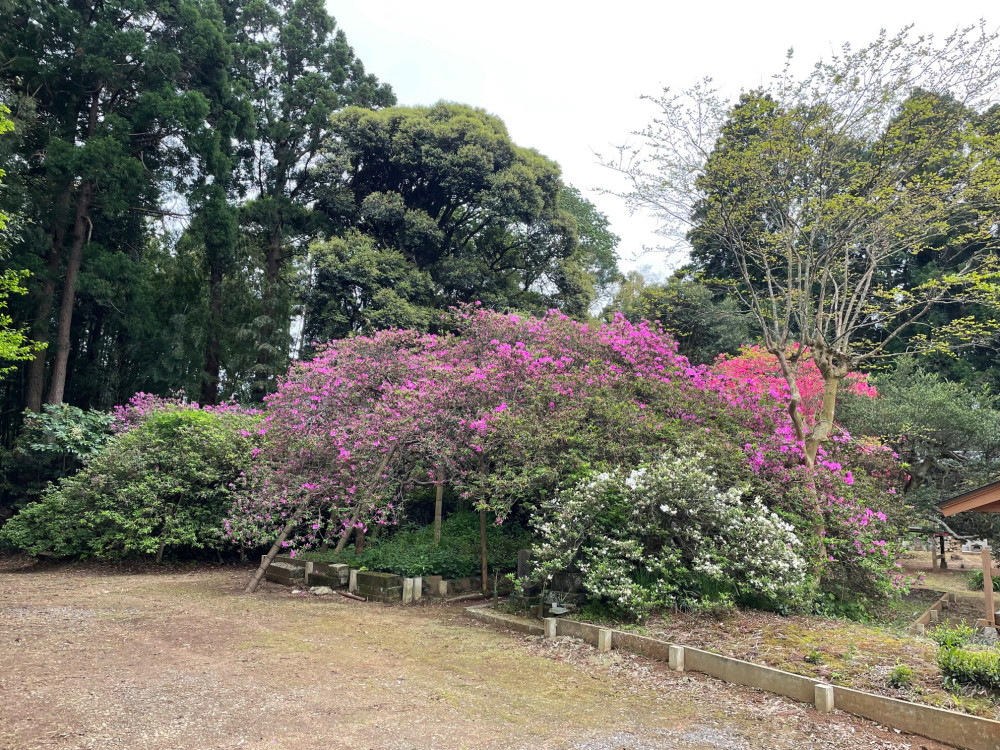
53, 444
971, 666
162, 483
665, 535
514, 410
411, 550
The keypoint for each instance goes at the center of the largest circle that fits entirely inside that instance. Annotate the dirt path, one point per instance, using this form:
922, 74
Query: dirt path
99, 658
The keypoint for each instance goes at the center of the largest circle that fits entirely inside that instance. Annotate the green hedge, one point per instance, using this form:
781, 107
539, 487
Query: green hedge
977, 667
163, 485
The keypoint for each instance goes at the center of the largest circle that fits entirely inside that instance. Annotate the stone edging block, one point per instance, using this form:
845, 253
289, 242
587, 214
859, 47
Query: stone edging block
951, 727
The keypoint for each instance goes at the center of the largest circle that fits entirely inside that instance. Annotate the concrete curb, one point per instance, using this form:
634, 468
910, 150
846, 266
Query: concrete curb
961, 730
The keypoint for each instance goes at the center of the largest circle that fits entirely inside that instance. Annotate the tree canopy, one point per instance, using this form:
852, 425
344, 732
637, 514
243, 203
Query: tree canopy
809, 199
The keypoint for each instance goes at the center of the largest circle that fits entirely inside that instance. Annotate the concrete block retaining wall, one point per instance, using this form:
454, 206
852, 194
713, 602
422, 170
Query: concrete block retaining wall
294, 571
951, 727
796, 687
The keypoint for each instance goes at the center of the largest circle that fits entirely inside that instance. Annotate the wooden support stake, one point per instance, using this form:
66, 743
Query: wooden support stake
991, 617
438, 503
482, 543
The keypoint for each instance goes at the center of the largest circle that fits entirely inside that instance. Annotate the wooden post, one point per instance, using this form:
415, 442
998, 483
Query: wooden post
482, 542
944, 556
991, 619
438, 502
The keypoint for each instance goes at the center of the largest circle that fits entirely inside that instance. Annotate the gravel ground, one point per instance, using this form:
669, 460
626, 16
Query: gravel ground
104, 658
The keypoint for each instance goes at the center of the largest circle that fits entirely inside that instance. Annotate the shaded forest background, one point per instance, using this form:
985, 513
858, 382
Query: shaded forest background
199, 190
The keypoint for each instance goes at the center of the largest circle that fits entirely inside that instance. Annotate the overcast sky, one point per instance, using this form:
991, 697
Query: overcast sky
567, 77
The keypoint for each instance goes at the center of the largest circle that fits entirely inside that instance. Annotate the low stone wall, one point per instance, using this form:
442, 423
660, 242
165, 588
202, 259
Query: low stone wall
796, 687
582, 630
518, 624
643, 645
294, 571
951, 727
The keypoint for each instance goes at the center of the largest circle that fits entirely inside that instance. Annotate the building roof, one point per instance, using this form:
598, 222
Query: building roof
984, 499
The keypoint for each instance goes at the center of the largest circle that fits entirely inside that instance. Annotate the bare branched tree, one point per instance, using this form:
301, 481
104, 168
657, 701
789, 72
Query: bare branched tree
814, 197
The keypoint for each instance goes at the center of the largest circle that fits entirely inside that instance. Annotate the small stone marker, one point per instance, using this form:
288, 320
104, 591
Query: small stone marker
407, 591
603, 640
675, 658
919, 629
824, 698
443, 588
418, 588
551, 623
352, 584
934, 615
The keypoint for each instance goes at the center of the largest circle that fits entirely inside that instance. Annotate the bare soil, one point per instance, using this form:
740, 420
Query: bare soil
107, 657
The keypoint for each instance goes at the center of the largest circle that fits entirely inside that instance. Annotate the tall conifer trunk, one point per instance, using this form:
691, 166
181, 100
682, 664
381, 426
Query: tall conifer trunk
81, 235
35, 386
213, 336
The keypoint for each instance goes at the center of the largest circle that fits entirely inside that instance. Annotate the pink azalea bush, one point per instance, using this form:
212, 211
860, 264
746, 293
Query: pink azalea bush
508, 410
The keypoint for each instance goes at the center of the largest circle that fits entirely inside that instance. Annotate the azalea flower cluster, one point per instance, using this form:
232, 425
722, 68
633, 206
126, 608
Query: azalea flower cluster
665, 535
508, 410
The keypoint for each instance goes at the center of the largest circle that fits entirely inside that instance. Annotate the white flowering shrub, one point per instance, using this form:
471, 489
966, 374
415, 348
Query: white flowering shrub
666, 535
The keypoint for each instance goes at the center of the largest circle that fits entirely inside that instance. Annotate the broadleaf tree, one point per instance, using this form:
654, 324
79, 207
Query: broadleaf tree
807, 196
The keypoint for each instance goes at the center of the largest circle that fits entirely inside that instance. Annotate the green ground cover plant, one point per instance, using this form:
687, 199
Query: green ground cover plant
974, 580
411, 550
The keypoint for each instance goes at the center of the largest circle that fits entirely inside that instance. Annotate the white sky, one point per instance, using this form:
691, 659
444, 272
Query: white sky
567, 77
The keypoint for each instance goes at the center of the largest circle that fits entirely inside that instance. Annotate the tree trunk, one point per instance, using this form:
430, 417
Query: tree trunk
357, 508
265, 344
342, 542
438, 503
80, 237
45, 301
213, 336
482, 543
824, 424
811, 440
359, 540
275, 548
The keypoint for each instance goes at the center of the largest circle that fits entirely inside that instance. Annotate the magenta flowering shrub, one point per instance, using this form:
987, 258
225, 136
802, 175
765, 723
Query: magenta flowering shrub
509, 409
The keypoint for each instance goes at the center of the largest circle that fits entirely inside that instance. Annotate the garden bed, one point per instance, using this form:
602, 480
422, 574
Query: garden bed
854, 655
